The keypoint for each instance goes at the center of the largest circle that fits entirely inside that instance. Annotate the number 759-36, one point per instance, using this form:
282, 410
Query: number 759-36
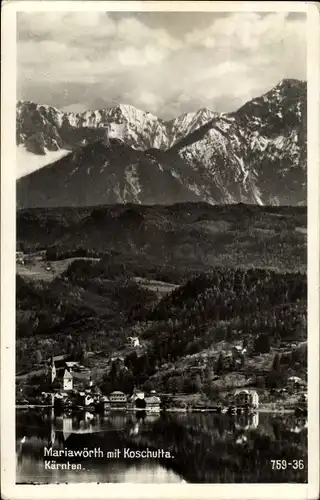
284, 464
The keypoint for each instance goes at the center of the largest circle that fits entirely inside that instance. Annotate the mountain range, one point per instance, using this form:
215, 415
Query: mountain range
257, 154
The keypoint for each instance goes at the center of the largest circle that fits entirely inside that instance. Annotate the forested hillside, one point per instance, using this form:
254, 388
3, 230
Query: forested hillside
181, 237
235, 274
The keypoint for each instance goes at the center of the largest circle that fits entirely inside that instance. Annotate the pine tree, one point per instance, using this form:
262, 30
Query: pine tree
219, 364
276, 366
198, 383
38, 356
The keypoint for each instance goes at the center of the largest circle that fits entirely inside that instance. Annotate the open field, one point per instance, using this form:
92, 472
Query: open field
40, 270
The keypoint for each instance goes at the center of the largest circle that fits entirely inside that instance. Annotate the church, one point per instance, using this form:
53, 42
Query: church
69, 376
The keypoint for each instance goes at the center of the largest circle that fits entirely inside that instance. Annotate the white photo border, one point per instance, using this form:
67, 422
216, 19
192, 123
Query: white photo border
8, 243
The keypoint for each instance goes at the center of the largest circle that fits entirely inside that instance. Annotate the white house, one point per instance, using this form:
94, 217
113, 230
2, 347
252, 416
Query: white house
153, 404
67, 381
245, 397
239, 350
106, 402
116, 396
133, 342
118, 400
136, 394
71, 365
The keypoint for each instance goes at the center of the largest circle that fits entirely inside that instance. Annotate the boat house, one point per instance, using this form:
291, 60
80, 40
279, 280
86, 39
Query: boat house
153, 403
246, 397
118, 400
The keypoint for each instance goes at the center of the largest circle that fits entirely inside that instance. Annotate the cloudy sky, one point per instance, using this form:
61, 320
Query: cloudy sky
165, 63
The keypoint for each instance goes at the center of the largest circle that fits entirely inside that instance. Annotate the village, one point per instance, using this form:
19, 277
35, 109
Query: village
238, 373
70, 385
74, 388
78, 390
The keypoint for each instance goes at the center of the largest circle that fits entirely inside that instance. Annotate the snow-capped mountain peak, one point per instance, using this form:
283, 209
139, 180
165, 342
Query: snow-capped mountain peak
256, 154
42, 128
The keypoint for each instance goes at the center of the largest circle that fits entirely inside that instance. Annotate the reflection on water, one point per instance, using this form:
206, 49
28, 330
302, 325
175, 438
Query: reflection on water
188, 447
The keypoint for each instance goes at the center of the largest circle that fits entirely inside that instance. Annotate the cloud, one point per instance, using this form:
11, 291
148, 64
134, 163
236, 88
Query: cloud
66, 26
168, 62
149, 99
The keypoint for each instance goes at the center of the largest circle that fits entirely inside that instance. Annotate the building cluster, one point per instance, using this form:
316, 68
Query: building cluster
72, 382
138, 400
74, 386
294, 385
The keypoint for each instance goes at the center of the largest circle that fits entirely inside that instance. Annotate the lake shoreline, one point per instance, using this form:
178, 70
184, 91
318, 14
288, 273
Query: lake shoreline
169, 410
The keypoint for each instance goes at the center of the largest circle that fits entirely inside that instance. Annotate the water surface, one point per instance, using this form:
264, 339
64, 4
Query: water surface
202, 447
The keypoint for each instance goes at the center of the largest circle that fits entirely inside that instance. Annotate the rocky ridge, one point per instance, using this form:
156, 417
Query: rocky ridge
256, 154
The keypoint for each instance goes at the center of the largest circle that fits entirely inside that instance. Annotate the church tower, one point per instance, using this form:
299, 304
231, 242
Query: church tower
53, 370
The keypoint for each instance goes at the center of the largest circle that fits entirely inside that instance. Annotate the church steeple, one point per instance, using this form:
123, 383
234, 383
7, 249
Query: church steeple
53, 370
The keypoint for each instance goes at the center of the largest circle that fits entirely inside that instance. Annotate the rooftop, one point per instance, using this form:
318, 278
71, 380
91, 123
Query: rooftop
152, 399
244, 391
67, 375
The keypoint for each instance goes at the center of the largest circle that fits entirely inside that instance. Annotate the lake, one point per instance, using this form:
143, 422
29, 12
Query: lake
77, 447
